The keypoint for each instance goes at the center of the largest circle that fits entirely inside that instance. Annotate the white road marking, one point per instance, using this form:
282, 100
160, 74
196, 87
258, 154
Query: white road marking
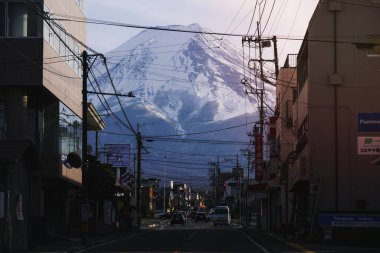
105, 243
254, 242
192, 235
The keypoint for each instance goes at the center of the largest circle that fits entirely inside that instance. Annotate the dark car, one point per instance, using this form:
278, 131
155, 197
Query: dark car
201, 216
165, 216
193, 214
177, 218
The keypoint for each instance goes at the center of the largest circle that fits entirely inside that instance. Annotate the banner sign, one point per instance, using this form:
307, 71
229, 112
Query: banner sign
368, 145
272, 128
118, 154
349, 220
259, 168
369, 122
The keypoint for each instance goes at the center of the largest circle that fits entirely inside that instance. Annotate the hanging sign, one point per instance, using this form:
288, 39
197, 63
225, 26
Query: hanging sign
259, 168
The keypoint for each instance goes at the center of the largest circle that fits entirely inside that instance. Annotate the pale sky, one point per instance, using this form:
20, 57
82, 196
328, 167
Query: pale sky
289, 18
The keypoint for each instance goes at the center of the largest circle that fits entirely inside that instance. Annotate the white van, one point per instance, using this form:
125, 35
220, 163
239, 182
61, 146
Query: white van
222, 215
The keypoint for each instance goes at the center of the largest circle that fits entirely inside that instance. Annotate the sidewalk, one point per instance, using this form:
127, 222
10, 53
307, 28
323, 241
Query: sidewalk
276, 243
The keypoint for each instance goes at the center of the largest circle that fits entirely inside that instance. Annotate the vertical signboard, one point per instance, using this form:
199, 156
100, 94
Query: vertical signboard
259, 168
272, 128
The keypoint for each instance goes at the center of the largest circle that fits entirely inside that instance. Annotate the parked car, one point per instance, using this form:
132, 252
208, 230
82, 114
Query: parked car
211, 215
184, 215
177, 218
201, 216
193, 214
165, 216
158, 214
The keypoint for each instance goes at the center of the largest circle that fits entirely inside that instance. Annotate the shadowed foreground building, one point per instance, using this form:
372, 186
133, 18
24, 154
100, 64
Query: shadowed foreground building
40, 121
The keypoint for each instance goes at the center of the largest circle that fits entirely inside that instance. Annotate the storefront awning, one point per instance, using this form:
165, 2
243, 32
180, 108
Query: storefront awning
94, 120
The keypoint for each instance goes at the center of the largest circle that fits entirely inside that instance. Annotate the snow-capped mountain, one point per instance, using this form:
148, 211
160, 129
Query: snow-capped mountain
184, 84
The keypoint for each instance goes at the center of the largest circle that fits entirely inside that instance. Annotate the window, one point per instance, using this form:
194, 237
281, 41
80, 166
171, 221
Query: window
2, 19
23, 20
70, 131
2, 117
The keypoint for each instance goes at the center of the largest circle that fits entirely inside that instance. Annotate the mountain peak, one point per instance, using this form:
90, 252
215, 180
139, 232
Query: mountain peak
195, 27
184, 83
175, 72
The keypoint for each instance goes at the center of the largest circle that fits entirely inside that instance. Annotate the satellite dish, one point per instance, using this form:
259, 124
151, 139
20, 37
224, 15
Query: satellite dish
73, 160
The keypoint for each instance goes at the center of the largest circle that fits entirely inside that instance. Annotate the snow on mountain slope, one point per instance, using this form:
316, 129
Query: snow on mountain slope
182, 81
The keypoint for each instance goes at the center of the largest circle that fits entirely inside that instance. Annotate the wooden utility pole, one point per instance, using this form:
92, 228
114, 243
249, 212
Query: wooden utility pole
84, 195
138, 179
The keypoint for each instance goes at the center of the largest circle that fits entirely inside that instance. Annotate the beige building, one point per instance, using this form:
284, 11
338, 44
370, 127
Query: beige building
332, 172
40, 120
282, 152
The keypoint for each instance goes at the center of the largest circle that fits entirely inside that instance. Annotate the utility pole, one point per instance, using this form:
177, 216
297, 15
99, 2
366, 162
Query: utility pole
165, 186
138, 179
84, 206
134, 176
217, 181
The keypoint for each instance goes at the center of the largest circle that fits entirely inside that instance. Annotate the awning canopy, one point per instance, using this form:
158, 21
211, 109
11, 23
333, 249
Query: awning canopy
94, 120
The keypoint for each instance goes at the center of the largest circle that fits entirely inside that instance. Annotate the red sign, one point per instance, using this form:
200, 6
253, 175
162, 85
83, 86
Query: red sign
259, 168
272, 128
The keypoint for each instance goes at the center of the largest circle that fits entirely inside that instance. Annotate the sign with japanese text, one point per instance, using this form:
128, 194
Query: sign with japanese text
349, 220
368, 145
118, 154
259, 168
272, 128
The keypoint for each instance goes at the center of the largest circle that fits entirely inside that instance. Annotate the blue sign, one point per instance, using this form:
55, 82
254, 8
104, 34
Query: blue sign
369, 122
349, 220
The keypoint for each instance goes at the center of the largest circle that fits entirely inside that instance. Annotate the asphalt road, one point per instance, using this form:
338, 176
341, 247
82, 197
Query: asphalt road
159, 236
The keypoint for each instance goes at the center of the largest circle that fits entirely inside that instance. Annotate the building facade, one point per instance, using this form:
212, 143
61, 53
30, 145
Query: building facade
331, 170
40, 120
282, 146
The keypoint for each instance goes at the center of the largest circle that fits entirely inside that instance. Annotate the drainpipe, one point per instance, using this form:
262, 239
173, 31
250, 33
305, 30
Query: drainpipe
336, 121
336, 80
